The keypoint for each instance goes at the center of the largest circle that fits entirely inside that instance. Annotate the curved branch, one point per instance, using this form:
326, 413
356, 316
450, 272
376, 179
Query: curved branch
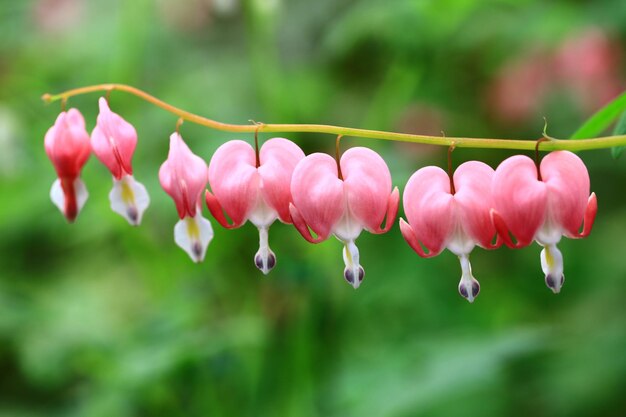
571, 145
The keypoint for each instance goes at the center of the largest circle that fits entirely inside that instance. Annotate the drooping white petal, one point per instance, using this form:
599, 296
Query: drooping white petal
264, 259
129, 198
193, 235
468, 286
353, 272
552, 266
58, 196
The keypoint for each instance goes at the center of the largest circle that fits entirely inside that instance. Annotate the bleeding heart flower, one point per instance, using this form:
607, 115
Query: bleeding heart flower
360, 199
457, 218
67, 146
113, 140
543, 205
247, 191
184, 176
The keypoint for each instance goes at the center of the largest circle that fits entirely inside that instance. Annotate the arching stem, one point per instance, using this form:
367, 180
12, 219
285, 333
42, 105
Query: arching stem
460, 142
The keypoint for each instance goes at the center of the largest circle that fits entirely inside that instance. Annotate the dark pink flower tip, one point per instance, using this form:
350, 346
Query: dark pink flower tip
67, 144
519, 200
113, 141
409, 235
243, 190
183, 176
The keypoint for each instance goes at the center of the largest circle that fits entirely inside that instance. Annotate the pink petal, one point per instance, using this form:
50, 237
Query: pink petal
234, 179
567, 181
590, 217
67, 144
429, 207
411, 239
302, 227
318, 193
279, 158
367, 185
472, 182
113, 140
519, 198
392, 211
183, 176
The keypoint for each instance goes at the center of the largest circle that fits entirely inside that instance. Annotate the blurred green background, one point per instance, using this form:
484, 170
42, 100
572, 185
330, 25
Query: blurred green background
100, 319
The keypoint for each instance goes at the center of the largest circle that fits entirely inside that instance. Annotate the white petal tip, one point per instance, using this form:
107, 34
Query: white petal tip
77, 193
264, 259
129, 199
193, 235
555, 284
354, 276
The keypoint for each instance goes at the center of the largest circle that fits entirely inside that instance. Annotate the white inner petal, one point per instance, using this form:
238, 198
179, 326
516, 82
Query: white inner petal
552, 266
193, 235
262, 215
129, 198
460, 243
550, 231
58, 197
347, 228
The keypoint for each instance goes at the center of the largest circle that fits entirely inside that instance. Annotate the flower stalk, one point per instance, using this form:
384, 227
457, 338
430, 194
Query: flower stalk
459, 142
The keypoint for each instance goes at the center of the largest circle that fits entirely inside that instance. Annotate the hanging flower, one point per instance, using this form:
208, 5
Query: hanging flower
247, 189
184, 176
454, 215
67, 146
113, 141
543, 205
343, 204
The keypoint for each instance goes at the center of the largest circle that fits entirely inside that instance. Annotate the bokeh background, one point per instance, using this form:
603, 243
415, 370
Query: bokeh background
101, 319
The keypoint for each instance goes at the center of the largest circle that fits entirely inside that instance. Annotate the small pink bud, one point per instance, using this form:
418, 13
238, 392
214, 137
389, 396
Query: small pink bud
184, 176
113, 141
67, 146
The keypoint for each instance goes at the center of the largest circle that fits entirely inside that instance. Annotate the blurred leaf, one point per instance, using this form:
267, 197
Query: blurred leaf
602, 119
620, 129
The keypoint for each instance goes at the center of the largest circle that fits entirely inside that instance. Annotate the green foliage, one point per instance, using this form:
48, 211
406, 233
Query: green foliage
602, 119
620, 129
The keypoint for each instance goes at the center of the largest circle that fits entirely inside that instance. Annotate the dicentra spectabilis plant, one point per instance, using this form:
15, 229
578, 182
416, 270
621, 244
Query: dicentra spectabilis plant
113, 141
343, 198
542, 204
253, 186
450, 212
520, 202
184, 176
67, 146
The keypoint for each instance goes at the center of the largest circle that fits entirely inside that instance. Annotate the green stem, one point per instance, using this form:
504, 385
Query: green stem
551, 145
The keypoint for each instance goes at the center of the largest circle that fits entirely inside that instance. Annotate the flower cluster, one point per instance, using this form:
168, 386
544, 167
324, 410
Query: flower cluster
516, 204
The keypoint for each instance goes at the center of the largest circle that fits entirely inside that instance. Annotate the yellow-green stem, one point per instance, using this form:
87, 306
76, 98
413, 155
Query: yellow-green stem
459, 142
